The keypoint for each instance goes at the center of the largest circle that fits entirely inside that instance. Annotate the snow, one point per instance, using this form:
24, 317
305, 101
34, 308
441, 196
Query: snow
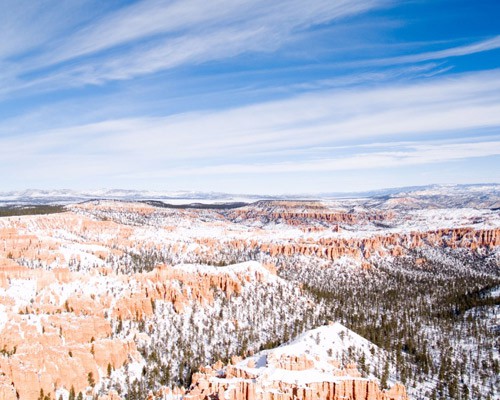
317, 341
62, 393
495, 292
303, 378
83, 253
65, 196
321, 345
135, 368
22, 291
258, 305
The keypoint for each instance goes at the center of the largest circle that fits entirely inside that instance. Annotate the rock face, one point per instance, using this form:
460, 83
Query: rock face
108, 231
297, 213
392, 244
55, 339
284, 374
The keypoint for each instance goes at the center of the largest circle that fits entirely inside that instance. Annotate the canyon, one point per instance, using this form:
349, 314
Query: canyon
121, 299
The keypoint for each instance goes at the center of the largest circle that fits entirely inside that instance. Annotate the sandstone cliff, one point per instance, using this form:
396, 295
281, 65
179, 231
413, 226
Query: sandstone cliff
63, 327
286, 373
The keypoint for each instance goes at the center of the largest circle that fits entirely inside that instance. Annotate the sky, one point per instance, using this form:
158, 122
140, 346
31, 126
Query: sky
248, 96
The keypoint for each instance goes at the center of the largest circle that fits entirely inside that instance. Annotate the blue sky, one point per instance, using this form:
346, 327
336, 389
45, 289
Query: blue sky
248, 96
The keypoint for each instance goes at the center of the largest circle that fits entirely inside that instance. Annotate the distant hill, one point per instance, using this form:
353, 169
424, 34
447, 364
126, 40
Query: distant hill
477, 195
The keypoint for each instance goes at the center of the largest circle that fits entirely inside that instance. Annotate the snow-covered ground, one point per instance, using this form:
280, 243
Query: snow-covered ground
113, 245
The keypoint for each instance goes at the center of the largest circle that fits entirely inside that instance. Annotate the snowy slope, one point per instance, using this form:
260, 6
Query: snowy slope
325, 346
314, 366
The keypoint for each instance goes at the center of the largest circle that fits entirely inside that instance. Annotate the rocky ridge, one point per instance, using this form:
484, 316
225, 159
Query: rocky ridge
308, 368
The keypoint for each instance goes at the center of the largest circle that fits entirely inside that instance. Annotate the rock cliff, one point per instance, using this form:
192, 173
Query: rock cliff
62, 329
285, 374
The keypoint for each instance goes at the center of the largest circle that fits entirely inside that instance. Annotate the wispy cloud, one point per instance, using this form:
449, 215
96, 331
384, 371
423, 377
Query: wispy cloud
155, 35
473, 48
385, 75
161, 55
161, 17
465, 103
399, 155
265, 86
28, 25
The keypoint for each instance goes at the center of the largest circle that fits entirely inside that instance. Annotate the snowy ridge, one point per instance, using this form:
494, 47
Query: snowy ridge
323, 346
313, 366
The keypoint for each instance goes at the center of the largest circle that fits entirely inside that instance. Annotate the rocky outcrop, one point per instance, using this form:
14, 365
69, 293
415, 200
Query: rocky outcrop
386, 245
304, 213
240, 385
69, 240
282, 374
60, 330
55, 351
210, 386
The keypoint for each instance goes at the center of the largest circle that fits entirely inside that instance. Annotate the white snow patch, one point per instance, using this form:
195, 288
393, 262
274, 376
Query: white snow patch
321, 345
22, 291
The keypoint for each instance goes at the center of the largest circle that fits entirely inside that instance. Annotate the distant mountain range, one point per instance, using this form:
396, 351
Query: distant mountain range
66, 196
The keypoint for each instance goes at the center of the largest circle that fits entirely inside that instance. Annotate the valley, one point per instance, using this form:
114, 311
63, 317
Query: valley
381, 297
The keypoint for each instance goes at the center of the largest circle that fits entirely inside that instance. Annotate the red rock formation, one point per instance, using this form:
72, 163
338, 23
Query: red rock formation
239, 384
42, 331
53, 343
393, 244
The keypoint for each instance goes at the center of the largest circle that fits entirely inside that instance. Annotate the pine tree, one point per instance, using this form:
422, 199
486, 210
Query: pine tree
385, 376
90, 379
